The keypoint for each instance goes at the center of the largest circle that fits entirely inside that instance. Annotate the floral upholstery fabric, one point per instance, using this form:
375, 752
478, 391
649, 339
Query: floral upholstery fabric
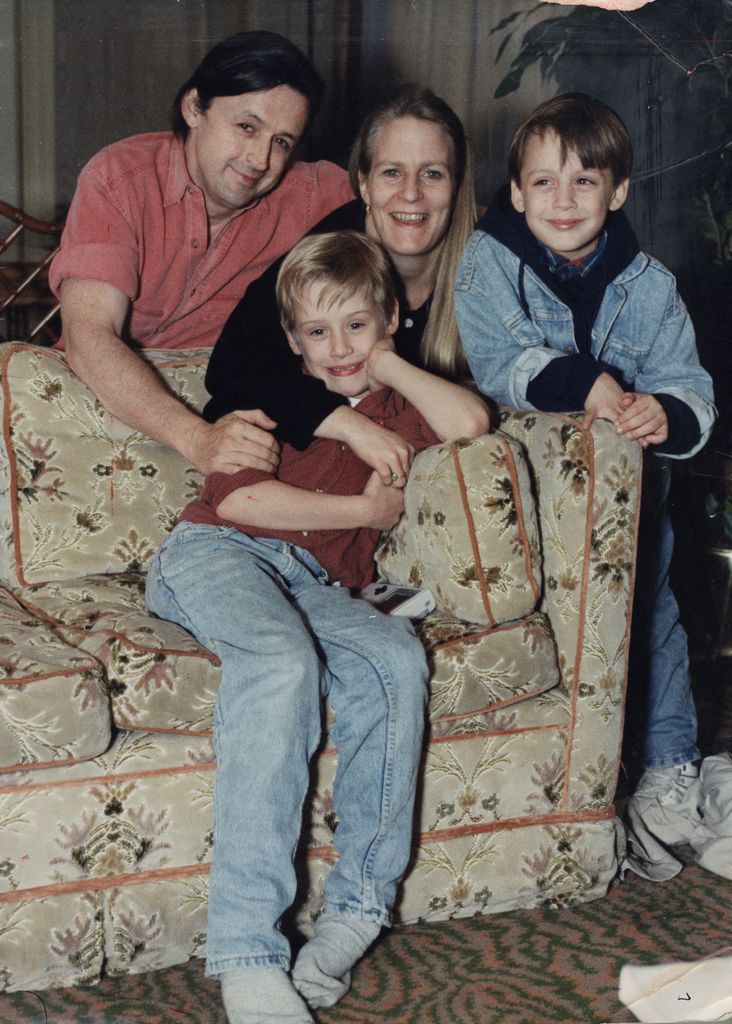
107, 841
54, 706
82, 492
469, 531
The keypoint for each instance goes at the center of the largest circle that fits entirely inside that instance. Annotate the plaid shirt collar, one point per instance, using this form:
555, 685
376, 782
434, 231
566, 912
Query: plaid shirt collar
566, 269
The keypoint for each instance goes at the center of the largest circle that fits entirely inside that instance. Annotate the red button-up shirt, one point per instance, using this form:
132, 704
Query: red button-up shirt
329, 467
139, 223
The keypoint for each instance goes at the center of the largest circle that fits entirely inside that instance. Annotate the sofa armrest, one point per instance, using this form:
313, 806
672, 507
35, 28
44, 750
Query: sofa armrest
469, 531
80, 491
588, 490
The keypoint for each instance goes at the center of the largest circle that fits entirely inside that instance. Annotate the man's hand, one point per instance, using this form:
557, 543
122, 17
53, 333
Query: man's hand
644, 420
239, 440
605, 401
387, 502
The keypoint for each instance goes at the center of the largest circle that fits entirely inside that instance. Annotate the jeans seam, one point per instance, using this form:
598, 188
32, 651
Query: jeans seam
367, 873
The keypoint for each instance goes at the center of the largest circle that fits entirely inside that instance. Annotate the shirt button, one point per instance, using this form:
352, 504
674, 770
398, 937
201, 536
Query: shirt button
194, 243
306, 533
409, 322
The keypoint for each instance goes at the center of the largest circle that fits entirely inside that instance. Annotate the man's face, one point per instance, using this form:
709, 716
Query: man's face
565, 204
238, 149
335, 340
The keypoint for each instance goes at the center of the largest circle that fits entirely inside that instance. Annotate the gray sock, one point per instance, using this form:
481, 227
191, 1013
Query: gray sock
322, 971
262, 995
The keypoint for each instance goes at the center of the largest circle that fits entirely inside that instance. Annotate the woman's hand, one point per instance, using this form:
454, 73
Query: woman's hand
386, 452
386, 500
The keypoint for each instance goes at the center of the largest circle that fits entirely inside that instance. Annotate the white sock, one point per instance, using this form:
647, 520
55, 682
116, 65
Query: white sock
262, 995
322, 971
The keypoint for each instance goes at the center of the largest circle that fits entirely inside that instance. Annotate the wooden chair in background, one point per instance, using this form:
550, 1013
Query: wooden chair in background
28, 308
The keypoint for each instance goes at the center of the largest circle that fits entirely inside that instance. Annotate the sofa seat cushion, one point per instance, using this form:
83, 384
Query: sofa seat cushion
161, 679
54, 707
469, 531
475, 671
80, 491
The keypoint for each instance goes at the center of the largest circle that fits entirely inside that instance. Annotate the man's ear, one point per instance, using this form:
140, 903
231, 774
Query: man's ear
517, 198
292, 340
190, 108
620, 194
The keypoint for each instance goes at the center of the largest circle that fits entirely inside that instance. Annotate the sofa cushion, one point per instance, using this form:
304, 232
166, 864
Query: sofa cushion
53, 698
81, 492
474, 672
469, 531
160, 679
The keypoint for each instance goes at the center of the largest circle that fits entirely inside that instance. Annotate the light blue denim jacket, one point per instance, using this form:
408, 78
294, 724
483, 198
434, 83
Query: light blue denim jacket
642, 328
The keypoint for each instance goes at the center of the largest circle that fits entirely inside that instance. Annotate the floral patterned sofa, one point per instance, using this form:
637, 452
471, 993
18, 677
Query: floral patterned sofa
526, 537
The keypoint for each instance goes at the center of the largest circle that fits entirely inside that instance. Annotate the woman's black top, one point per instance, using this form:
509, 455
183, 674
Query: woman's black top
253, 367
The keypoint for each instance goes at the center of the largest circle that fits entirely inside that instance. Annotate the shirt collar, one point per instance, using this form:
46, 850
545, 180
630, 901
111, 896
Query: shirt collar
565, 269
178, 177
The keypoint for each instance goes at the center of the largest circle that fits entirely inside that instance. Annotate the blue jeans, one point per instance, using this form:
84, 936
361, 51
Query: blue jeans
287, 639
659, 694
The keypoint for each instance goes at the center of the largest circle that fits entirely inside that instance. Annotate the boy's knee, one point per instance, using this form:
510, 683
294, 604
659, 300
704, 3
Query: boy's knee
406, 661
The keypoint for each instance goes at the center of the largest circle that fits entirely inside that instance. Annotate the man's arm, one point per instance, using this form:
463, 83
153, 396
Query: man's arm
93, 315
280, 506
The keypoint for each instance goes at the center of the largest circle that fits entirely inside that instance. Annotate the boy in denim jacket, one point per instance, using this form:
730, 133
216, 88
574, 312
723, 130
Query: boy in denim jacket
559, 310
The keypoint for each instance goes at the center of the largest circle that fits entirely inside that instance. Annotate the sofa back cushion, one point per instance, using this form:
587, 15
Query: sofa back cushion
469, 531
80, 491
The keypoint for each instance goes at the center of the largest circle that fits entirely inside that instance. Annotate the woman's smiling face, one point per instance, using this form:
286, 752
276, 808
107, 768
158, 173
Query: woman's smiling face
410, 187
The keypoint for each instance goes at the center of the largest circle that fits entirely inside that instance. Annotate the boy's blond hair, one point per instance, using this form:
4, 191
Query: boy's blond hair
585, 126
345, 262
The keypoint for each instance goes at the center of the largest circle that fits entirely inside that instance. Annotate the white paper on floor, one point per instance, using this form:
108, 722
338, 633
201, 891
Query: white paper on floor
697, 991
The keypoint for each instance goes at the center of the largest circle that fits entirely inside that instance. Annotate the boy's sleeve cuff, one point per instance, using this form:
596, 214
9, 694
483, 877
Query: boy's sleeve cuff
564, 383
684, 431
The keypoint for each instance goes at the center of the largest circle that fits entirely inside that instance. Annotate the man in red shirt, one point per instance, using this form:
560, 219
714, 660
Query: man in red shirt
167, 230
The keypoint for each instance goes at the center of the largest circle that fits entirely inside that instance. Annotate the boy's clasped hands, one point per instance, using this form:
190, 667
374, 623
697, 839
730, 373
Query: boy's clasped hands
639, 417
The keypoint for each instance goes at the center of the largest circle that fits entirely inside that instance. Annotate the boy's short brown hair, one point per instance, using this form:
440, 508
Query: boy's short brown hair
345, 262
585, 126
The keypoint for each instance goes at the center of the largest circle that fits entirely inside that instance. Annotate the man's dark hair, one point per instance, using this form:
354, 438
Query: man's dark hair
250, 62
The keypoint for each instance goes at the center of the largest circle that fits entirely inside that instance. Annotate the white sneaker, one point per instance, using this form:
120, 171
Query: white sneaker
663, 812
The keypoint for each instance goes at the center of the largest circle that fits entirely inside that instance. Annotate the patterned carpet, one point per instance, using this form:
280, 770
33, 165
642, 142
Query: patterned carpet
539, 967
